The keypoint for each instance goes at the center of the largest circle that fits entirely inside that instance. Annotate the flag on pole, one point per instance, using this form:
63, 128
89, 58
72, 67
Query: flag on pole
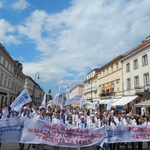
63, 101
81, 102
68, 92
22, 99
56, 97
109, 104
44, 101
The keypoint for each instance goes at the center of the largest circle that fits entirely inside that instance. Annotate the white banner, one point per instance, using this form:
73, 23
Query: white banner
37, 131
22, 99
26, 130
120, 134
91, 105
10, 130
75, 100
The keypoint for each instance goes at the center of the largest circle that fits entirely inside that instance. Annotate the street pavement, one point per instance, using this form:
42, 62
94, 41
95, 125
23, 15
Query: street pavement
15, 146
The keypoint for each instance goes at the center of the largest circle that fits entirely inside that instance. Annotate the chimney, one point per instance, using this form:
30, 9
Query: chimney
147, 38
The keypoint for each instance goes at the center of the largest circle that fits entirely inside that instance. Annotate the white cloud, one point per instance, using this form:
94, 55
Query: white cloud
84, 35
20, 5
7, 32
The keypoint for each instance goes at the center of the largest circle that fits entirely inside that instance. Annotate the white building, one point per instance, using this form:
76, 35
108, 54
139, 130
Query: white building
91, 86
35, 91
136, 71
7, 65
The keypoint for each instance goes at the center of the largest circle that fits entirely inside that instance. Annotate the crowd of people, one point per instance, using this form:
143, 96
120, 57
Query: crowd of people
79, 117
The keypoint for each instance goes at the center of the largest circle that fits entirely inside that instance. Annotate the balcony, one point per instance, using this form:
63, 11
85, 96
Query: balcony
142, 90
106, 95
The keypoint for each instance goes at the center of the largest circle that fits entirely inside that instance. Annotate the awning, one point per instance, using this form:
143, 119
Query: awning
143, 104
105, 101
124, 100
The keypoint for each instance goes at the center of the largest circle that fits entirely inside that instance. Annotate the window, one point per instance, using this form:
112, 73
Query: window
135, 64
6, 64
104, 73
128, 84
136, 81
145, 60
111, 68
117, 86
1, 79
128, 67
5, 81
9, 83
116, 66
2, 60
146, 79
107, 70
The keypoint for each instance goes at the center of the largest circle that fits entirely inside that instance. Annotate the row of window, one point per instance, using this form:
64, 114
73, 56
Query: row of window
6, 64
136, 65
5, 80
137, 81
110, 70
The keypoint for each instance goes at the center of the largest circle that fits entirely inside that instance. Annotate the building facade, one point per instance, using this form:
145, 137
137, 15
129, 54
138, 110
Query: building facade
35, 91
18, 80
91, 87
78, 89
7, 66
13, 81
136, 71
110, 80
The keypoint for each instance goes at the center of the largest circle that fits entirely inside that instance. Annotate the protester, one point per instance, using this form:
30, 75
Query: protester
76, 117
5, 110
92, 123
82, 123
112, 123
25, 113
57, 120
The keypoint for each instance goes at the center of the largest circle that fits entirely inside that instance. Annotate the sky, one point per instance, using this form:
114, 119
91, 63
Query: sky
63, 40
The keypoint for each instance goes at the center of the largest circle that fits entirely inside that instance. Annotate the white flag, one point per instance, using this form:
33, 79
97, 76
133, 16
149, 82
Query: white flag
22, 99
81, 102
56, 97
68, 92
109, 104
44, 101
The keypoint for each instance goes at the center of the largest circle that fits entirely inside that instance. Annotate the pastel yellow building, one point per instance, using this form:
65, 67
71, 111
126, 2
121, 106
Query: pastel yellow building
110, 80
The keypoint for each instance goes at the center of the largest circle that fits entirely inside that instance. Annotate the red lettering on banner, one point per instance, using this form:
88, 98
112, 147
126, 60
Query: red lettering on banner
139, 129
45, 132
54, 127
85, 131
83, 142
141, 137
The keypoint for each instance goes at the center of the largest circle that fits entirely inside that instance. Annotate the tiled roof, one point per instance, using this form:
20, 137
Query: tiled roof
140, 46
